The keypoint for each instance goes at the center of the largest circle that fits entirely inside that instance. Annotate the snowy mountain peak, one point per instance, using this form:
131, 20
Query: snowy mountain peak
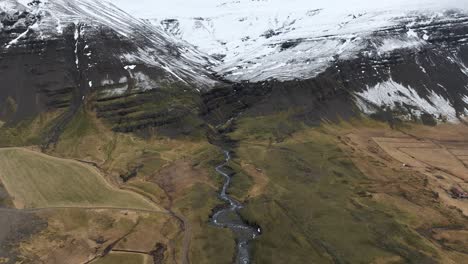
153, 47
287, 43
364, 47
11, 6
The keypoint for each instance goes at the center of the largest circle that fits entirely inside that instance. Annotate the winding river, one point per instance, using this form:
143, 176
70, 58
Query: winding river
229, 217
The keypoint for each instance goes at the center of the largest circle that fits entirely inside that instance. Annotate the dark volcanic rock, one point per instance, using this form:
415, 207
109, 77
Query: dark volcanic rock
15, 227
45, 66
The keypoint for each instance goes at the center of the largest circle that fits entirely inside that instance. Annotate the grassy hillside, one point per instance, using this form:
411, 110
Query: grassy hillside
36, 180
29, 131
176, 173
321, 194
318, 207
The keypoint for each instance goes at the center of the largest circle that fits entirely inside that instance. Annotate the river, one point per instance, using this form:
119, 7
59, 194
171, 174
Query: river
229, 217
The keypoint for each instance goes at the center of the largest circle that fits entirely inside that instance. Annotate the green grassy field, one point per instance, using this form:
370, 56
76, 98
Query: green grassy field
209, 244
36, 181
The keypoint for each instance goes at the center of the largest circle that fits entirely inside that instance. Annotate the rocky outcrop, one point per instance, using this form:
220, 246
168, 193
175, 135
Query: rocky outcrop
60, 55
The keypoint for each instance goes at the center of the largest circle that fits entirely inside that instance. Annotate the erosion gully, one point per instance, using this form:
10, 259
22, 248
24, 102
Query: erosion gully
229, 217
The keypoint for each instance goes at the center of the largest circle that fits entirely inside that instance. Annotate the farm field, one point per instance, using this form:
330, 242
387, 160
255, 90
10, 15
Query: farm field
79, 235
36, 180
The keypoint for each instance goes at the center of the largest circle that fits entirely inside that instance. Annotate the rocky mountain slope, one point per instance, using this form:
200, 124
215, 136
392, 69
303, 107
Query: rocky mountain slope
54, 50
409, 63
405, 58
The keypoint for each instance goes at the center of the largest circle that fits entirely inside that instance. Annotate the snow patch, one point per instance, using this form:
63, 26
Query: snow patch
244, 34
76, 37
465, 99
423, 69
463, 67
154, 46
144, 82
392, 44
20, 36
412, 34
394, 95
130, 67
107, 82
115, 91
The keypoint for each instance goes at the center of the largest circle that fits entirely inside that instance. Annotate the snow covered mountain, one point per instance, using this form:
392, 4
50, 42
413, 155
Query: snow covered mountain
272, 39
259, 41
407, 58
153, 47
56, 54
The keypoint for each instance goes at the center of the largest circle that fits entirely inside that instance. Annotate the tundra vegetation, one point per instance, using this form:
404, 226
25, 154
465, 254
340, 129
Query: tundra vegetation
334, 192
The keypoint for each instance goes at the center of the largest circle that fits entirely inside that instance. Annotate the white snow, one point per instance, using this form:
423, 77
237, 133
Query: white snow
144, 82
76, 38
205, 8
115, 91
106, 82
463, 67
392, 94
12, 5
253, 40
162, 48
465, 99
248, 34
412, 33
130, 67
15, 41
392, 44
422, 69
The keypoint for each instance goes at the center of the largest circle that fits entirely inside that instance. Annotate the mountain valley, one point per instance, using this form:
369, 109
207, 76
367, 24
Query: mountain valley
332, 135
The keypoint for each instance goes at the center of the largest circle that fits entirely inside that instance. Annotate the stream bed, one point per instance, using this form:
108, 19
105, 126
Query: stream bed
229, 217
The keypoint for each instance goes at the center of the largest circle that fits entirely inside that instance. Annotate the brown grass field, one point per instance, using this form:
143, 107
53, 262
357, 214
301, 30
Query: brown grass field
123, 258
35, 180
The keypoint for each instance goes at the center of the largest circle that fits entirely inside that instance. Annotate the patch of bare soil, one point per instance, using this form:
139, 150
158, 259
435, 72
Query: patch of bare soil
144, 238
260, 179
178, 177
451, 239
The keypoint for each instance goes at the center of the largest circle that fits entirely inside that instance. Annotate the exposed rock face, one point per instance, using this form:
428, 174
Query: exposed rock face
409, 64
427, 82
37, 73
63, 54
54, 54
